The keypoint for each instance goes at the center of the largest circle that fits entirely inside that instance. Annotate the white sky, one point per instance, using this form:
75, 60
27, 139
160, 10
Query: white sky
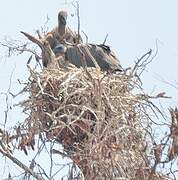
133, 28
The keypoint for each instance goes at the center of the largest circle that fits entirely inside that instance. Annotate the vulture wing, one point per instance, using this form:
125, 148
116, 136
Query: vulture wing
102, 54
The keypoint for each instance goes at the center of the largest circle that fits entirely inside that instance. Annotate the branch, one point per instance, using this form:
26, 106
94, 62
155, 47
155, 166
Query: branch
17, 162
85, 37
48, 57
12, 47
137, 64
105, 39
78, 20
33, 39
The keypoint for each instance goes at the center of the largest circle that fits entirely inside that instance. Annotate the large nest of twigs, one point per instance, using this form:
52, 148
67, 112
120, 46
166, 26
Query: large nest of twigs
97, 118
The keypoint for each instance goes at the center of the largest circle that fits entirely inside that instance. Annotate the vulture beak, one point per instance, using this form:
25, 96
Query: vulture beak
62, 17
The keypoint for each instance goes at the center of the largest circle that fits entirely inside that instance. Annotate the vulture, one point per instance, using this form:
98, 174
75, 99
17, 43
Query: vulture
90, 55
63, 41
102, 54
62, 33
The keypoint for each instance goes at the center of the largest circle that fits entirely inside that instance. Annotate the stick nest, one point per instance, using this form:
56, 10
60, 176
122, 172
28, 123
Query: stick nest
97, 118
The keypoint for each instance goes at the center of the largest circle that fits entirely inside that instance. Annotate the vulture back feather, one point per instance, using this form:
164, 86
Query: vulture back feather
102, 54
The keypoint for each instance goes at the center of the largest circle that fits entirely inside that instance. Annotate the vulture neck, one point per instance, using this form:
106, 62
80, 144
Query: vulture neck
61, 29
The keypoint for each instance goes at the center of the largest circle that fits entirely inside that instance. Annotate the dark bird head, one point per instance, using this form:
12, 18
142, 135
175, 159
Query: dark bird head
59, 49
62, 17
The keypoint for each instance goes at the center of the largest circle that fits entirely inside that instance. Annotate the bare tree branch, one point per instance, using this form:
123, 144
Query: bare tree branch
18, 163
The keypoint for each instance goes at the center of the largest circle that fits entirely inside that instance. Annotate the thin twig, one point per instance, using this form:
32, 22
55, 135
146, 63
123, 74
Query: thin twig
18, 163
105, 39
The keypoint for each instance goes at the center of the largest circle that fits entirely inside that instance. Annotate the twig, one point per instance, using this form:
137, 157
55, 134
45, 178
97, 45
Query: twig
18, 163
19, 48
7, 97
51, 159
137, 64
85, 37
39, 35
105, 39
78, 20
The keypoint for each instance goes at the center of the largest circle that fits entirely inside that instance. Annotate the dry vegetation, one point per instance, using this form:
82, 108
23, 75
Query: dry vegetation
96, 116
103, 121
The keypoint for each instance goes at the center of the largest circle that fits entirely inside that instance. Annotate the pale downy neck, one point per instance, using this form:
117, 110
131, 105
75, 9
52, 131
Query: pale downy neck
61, 29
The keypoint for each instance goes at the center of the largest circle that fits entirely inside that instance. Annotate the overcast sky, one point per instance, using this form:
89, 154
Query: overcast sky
133, 27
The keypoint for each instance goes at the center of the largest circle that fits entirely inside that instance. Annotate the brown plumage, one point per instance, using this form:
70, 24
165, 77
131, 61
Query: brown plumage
63, 38
62, 33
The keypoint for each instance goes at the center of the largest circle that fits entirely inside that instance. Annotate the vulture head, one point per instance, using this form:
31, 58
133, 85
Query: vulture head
62, 18
59, 49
